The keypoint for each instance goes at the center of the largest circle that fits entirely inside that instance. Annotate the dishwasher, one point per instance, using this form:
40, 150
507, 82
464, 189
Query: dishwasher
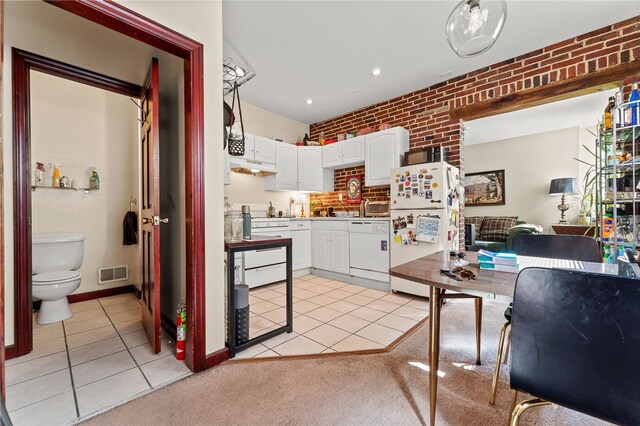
369, 249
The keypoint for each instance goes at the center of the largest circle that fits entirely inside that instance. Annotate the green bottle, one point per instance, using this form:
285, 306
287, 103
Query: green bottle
94, 180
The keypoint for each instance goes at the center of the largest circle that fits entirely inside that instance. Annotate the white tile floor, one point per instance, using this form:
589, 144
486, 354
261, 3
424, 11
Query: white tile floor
329, 316
98, 358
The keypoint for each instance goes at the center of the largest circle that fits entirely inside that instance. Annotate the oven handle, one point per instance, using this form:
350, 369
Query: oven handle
264, 268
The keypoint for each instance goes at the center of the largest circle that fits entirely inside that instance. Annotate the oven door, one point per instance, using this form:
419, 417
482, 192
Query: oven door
258, 258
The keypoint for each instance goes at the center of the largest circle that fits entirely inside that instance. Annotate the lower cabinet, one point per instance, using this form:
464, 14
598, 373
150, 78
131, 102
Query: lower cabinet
301, 249
330, 246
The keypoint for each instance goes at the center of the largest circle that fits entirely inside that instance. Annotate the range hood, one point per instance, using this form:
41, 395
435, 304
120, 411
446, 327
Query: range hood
251, 167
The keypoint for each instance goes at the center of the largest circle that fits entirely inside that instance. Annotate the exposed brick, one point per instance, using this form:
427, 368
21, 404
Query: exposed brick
594, 33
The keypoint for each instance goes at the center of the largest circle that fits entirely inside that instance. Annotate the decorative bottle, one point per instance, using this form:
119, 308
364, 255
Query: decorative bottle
608, 116
246, 222
634, 105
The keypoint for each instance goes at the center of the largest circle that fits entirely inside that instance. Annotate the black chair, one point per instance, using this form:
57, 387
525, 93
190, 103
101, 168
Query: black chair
573, 247
576, 343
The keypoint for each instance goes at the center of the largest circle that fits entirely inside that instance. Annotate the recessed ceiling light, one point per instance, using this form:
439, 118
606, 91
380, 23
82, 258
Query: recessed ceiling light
376, 72
309, 101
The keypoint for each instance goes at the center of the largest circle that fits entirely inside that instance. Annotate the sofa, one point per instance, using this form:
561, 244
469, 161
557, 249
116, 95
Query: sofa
495, 233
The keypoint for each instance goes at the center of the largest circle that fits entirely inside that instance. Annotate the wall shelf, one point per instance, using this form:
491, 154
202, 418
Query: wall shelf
86, 190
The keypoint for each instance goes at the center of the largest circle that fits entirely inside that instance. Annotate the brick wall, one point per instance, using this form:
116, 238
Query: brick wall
425, 113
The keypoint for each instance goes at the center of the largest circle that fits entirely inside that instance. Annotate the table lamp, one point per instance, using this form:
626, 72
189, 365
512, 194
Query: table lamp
563, 186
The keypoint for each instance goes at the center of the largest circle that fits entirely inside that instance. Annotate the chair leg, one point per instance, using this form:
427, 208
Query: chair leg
506, 351
514, 401
496, 374
523, 406
478, 303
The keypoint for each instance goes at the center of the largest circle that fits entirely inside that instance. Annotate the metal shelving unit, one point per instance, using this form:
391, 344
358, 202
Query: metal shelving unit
618, 185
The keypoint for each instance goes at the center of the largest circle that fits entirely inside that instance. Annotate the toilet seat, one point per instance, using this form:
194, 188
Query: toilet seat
58, 277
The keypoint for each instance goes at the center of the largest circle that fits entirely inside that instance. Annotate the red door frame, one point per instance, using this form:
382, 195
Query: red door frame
124, 21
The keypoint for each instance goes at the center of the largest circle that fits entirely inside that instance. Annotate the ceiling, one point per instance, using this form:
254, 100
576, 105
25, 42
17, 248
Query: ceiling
325, 50
583, 111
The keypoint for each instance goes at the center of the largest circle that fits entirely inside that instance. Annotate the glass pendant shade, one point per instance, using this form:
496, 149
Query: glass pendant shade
474, 26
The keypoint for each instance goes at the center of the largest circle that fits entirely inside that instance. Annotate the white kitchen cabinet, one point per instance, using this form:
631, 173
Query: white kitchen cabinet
301, 240
321, 249
330, 246
340, 252
249, 145
264, 149
383, 152
286, 178
311, 175
226, 169
347, 153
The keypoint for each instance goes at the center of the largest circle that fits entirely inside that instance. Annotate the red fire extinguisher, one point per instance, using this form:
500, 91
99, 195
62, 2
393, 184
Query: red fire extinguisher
181, 332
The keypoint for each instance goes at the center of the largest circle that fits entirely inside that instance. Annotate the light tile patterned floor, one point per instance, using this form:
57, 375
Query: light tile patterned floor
98, 358
330, 316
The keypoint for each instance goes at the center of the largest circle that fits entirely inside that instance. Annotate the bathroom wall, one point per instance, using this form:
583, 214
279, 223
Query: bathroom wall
82, 127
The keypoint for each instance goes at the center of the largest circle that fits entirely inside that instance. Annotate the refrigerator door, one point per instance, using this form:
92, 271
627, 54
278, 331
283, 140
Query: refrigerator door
421, 186
403, 248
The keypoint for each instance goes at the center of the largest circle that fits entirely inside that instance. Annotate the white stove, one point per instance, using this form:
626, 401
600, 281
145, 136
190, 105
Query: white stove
266, 266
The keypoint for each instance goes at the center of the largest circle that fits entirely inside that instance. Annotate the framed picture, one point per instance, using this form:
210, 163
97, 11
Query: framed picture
354, 189
484, 188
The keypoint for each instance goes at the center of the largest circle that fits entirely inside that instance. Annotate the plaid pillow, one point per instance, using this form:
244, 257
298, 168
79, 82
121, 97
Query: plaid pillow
496, 228
475, 220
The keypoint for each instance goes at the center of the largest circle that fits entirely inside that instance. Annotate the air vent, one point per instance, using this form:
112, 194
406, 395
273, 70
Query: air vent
112, 274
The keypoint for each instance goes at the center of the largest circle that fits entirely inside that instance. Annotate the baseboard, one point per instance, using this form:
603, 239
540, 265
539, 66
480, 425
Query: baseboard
168, 325
217, 357
81, 297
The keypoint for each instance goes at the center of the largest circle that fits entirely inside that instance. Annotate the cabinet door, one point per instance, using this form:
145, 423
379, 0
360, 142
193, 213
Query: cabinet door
301, 241
321, 249
340, 251
310, 173
227, 169
264, 149
380, 158
353, 151
332, 155
249, 146
287, 166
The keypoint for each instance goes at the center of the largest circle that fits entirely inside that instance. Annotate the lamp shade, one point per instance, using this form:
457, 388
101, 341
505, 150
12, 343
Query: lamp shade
474, 26
563, 186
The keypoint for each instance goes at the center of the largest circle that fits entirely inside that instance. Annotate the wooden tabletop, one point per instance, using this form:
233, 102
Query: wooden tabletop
488, 284
257, 242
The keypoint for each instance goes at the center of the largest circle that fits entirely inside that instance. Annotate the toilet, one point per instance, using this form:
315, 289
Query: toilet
55, 260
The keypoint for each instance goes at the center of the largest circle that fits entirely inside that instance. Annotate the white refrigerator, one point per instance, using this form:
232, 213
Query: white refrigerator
425, 207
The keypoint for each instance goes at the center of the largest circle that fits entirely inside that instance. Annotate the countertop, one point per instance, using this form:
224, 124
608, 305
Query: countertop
257, 242
341, 218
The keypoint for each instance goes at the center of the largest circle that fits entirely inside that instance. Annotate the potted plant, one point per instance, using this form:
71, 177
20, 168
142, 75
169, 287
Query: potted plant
586, 209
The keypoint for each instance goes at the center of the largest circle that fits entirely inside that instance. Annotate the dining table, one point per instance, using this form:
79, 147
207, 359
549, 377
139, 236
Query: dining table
489, 284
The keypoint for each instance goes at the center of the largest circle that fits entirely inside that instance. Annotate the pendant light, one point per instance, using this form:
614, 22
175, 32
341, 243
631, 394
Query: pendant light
474, 26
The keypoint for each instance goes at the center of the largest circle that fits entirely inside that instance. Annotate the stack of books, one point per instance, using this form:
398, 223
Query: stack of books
503, 262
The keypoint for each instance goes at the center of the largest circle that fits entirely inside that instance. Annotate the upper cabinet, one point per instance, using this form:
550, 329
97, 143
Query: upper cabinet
383, 152
347, 153
299, 168
311, 175
286, 178
264, 149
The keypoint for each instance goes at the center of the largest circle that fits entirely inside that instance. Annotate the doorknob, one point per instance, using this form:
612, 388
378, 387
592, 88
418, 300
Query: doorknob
155, 220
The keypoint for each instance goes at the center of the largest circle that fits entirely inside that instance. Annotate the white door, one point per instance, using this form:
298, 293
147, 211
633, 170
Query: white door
380, 158
310, 173
321, 252
353, 151
301, 249
264, 149
287, 167
249, 141
340, 251
332, 155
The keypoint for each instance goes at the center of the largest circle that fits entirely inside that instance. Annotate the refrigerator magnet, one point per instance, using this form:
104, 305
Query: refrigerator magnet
415, 191
383, 245
421, 194
407, 183
435, 185
402, 178
397, 239
428, 195
428, 177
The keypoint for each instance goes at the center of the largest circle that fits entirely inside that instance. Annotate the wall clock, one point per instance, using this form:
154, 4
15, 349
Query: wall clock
354, 189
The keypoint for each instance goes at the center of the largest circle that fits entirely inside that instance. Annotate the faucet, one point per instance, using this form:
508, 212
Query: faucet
363, 207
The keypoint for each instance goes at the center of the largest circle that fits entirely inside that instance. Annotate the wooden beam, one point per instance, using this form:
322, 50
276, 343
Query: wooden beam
609, 78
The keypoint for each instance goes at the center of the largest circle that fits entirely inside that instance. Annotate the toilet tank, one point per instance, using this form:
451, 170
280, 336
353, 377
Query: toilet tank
56, 252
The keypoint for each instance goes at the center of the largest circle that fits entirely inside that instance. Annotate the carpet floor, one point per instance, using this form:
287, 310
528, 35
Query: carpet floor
375, 389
